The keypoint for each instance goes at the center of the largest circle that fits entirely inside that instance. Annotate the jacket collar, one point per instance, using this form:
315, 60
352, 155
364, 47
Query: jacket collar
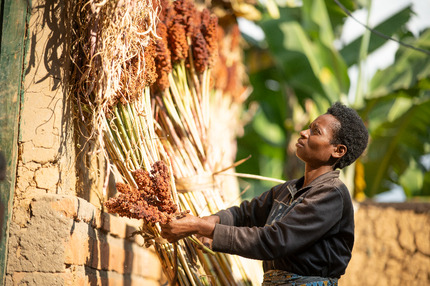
296, 185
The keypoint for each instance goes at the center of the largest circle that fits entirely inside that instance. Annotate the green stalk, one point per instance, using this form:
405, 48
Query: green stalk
186, 117
146, 154
201, 245
152, 139
114, 139
148, 144
168, 258
139, 130
242, 271
134, 133
205, 97
218, 270
200, 203
130, 133
225, 265
124, 137
183, 200
186, 149
364, 47
170, 107
118, 160
115, 144
172, 180
209, 269
185, 266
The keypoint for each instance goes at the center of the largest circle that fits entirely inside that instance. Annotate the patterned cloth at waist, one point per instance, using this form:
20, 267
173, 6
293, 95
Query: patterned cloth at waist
284, 278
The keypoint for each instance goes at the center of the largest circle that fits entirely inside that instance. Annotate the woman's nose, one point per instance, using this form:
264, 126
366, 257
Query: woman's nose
304, 133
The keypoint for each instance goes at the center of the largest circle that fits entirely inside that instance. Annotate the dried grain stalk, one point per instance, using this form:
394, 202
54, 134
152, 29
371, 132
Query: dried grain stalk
110, 80
185, 103
134, 64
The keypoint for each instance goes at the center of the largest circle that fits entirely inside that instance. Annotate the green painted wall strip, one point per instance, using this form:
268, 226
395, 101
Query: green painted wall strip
13, 25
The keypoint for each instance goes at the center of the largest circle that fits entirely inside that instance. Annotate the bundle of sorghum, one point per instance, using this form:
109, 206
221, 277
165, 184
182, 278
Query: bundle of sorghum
197, 81
150, 201
194, 38
143, 78
185, 35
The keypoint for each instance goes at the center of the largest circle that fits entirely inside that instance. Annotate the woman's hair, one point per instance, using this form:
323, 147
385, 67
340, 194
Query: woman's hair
351, 132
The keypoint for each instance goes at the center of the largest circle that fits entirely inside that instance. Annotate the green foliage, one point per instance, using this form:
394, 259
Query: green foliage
305, 65
396, 142
265, 136
393, 26
310, 73
425, 189
410, 70
301, 42
337, 16
398, 108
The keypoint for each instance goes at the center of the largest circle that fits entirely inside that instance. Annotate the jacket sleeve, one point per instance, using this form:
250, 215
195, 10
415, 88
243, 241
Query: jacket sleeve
307, 222
249, 213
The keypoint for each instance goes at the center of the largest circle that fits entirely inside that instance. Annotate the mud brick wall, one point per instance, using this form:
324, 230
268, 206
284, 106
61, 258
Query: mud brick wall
57, 234
392, 245
67, 241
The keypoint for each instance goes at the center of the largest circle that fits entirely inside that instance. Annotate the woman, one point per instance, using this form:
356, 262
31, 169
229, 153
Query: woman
303, 230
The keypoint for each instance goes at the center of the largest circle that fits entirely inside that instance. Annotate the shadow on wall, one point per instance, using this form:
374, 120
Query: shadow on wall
91, 169
107, 257
46, 75
45, 90
110, 258
128, 258
97, 264
57, 44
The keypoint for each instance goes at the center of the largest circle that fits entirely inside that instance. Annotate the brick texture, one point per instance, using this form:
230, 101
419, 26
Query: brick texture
392, 246
68, 241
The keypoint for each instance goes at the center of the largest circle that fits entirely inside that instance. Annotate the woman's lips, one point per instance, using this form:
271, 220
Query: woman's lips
299, 144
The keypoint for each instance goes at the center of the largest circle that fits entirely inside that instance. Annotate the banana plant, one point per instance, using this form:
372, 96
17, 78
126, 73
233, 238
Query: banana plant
298, 71
296, 74
398, 112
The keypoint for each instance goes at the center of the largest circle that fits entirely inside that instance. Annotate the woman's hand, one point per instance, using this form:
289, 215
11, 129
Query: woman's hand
179, 228
188, 225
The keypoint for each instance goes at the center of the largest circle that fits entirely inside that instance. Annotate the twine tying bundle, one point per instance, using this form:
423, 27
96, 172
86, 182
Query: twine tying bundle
195, 183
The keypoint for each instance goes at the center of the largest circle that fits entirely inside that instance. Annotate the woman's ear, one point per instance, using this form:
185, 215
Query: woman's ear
339, 151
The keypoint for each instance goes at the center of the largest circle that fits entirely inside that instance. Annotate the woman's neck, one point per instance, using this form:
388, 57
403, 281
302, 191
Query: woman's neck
313, 173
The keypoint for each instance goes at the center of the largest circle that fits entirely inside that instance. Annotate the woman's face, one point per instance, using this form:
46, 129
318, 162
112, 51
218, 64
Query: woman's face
313, 146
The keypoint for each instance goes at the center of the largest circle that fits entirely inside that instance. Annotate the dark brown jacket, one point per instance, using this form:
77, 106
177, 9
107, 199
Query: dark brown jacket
307, 231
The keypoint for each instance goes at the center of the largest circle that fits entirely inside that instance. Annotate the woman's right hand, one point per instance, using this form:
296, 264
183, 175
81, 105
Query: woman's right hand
188, 225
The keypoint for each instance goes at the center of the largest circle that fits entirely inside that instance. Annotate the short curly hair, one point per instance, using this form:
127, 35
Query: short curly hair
351, 132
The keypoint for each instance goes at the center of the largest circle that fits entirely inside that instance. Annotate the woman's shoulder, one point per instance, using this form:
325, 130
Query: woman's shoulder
332, 188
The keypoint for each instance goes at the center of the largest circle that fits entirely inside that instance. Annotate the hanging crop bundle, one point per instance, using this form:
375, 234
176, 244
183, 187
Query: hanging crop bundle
143, 87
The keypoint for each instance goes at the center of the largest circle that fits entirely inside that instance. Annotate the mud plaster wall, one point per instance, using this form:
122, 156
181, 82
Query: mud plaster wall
392, 245
56, 238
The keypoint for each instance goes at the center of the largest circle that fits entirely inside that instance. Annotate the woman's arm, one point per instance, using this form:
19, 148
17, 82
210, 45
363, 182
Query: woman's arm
249, 213
189, 225
306, 223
